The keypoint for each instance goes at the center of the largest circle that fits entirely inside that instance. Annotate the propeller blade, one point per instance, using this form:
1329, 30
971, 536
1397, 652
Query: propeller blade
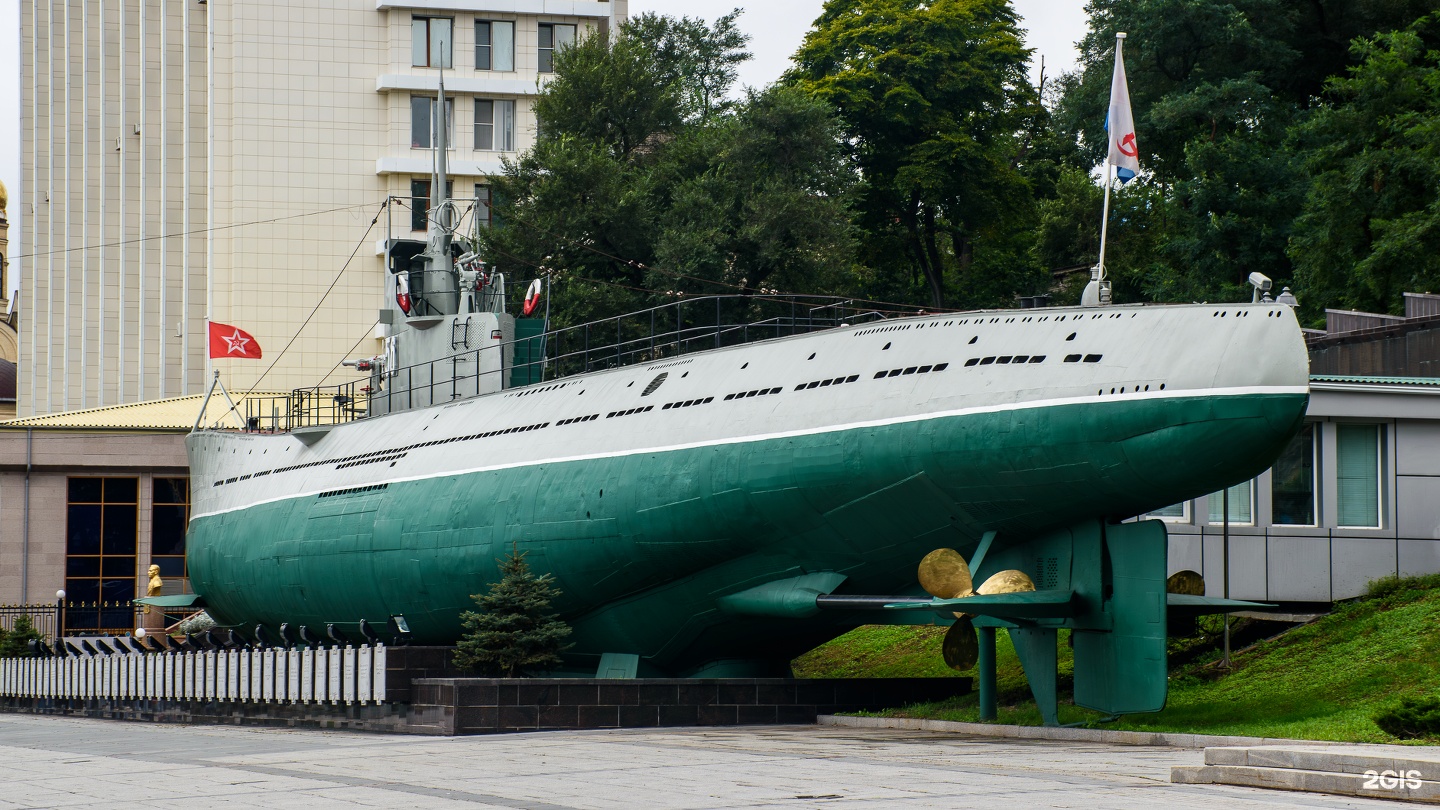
1008, 581
961, 647
1186, 582
945, 574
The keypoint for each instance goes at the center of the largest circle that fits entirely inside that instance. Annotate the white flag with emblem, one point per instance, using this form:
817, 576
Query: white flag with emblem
1120, 125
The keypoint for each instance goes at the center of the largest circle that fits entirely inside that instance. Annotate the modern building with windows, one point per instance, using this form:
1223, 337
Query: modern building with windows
91, 499
1355, 497
225, 158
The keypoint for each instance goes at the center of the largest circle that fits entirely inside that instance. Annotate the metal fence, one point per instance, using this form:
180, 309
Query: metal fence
335, 675
90, 618
42, 618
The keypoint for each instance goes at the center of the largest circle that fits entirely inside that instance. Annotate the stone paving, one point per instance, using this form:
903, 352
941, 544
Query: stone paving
65, 762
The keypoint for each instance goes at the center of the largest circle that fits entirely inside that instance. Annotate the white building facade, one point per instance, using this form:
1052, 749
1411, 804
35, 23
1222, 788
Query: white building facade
187, 158
1354, 498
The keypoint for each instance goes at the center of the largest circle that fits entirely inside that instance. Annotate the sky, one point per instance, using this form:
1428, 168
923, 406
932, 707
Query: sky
776, 29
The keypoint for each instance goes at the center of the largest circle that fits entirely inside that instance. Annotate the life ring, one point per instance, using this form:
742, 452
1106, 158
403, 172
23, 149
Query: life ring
532, 297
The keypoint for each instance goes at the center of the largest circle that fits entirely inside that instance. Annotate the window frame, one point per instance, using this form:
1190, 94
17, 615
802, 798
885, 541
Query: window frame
155, 504
489, 45
1380, 443
1183, 518
430, 40
546, 53
1222, 521
501, 126
101, 618
449, 120
484, 215
1316, 518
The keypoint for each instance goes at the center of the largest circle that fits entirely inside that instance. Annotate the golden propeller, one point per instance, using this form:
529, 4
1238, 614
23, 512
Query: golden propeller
944, 574
1186, 582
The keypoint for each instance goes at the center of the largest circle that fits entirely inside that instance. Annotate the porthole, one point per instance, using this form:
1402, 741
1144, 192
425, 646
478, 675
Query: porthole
973, 339
886, 347
1072, 336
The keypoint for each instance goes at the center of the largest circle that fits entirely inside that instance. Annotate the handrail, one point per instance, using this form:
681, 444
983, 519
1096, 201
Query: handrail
657, 333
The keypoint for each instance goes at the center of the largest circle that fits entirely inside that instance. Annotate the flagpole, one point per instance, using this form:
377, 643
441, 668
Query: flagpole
1117, 123
1104, 223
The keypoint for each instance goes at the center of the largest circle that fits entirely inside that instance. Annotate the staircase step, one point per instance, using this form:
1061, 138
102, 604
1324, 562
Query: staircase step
1377, 772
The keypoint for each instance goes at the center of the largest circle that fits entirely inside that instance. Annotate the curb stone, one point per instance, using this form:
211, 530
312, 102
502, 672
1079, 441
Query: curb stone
1096, 735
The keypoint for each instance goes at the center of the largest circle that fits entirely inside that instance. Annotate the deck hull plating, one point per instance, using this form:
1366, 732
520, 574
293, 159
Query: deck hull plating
647, 522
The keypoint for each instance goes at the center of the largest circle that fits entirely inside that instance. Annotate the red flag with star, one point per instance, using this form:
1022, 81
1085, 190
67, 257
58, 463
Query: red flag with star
230, 341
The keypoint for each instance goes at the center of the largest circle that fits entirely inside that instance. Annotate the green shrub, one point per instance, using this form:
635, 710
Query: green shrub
1411, 719
515, 633
16, 641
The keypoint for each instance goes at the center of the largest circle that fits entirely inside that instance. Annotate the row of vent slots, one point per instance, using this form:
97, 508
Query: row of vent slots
384, 455
353, 490
1023, 358
392, 458
1134, 390
687, 403
614, 414
897, 372
759, 392
572, 420
824, 383
554, 387
1021, 318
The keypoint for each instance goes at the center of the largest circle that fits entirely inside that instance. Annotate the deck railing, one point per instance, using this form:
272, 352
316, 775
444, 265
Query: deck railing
648, 336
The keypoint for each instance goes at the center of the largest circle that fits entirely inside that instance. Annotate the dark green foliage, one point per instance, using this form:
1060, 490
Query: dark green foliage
1370, 227
16, 641
937, 111
646, 186
1219, 89
696, 59
515, 633
1411, 718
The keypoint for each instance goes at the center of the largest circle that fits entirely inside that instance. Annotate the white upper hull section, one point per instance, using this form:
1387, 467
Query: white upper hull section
942, 365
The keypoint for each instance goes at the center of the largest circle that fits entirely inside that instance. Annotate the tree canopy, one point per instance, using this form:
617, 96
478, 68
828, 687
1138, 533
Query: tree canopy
907, 156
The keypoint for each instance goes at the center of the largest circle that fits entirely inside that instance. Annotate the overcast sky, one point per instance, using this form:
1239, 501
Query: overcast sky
775, 27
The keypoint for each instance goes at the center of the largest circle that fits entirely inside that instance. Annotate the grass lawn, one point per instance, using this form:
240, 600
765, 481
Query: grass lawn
1321, 681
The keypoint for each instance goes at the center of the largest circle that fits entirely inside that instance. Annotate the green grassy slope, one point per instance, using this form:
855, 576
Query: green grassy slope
1320, 681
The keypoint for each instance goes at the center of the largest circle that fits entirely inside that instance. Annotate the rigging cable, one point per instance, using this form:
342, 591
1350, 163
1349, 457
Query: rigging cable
231, 226
319, 303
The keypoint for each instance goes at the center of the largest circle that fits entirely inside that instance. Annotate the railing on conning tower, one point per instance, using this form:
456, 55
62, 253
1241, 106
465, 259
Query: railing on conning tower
647, 336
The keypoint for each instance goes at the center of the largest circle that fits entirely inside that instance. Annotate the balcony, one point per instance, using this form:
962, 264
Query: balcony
548, 8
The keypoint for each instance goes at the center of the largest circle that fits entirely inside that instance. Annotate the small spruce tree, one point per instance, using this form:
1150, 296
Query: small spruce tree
16, 642
515, 632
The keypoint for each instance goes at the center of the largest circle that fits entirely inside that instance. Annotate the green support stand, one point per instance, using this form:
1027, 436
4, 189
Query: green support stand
1037, 648
988, 709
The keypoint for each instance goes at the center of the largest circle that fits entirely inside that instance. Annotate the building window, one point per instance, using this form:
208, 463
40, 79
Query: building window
494, 45
169, 517
422, 122
1241, 504
1179, 513
553, 36
420, 202
431, 42
100, 531
1357, 468
495, 125
482, 205
1292, 481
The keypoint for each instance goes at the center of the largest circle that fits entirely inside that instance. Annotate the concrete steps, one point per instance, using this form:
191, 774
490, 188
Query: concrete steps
1396, 772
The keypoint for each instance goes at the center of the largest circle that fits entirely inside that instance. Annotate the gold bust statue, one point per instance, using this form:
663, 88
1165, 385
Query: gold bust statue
156, 584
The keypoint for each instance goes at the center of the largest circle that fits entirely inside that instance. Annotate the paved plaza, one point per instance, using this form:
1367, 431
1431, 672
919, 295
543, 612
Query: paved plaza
63, 762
